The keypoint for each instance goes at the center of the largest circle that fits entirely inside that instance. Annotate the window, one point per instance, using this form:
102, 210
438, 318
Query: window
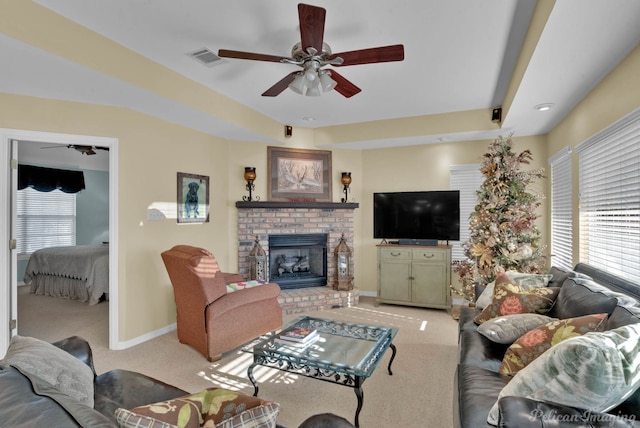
45, 219
467, 179
561, 209
609, 173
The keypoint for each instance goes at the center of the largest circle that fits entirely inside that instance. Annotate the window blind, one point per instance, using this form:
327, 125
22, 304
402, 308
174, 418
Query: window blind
609, 193
467, 179
561, 209
45, 219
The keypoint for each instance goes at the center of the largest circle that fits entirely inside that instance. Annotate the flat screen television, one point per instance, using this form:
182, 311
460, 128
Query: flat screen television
427, 215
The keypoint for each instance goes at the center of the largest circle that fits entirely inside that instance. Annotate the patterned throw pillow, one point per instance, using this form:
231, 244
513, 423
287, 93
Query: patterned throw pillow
533, 343
509, 299
235, 286
213, 407
596, 371
525, 280
508, 328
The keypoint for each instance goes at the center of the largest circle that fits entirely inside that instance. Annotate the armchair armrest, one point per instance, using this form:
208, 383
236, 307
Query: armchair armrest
520, 412
79, 348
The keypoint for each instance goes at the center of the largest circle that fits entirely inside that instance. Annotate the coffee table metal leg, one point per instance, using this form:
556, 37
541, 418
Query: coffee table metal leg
393, 355
253, 379
359, 393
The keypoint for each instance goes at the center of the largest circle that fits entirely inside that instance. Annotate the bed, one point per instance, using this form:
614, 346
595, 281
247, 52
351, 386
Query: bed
80, 272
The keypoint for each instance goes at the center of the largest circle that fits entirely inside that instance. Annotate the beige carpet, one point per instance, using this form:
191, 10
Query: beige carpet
418, 394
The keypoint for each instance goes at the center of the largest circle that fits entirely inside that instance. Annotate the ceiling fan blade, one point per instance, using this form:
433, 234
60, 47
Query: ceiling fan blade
280, 86
225, 53
311, 26
344, 86
371, 55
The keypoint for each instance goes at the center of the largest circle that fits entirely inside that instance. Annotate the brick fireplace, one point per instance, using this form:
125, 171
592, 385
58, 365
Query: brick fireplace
263, 219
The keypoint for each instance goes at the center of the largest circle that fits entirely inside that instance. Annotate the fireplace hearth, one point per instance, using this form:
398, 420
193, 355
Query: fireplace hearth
298, 260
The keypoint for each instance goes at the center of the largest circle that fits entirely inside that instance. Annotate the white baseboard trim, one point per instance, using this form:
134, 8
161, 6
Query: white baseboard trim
368, 293
145, 337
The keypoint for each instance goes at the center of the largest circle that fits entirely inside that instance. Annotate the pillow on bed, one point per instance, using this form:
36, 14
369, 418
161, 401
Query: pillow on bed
53, 365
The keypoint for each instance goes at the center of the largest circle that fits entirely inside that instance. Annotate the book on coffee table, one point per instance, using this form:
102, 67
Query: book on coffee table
298, 345
298, 334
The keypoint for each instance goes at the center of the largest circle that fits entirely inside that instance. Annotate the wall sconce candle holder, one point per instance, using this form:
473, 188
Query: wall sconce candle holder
250, 176
346, 181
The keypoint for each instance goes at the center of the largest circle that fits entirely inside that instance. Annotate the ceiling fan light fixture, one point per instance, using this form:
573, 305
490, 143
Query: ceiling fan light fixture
314, 91
298, 86
326, 81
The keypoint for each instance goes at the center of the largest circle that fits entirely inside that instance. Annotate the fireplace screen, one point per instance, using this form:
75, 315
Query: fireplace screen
298, 260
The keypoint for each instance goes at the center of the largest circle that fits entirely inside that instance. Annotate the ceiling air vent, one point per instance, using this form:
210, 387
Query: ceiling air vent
206, 57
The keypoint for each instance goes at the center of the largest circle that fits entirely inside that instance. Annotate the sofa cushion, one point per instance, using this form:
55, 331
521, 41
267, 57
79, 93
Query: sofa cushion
509, 299
51, 364
213, 407
476, 350
602, 366
526, 281
538, 340
623, 315
558, 275
508, 328
476, 390
127, 389
582, 296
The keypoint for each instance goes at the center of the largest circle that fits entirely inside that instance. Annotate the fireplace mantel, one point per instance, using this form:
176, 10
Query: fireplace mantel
292, 204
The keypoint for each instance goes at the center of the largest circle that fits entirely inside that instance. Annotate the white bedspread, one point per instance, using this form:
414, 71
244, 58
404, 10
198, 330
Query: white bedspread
80, 272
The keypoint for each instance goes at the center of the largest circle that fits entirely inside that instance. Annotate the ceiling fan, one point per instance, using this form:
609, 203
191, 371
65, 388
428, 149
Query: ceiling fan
85, 150
312, 54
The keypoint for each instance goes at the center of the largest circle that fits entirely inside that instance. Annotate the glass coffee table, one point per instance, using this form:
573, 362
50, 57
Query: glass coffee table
344, 353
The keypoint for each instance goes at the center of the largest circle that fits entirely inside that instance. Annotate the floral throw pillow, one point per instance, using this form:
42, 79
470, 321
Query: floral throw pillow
510, 299
525, 280
533, 343
213, 407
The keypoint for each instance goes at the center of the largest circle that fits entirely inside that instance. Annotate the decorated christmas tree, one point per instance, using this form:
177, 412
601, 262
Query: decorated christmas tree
503, 234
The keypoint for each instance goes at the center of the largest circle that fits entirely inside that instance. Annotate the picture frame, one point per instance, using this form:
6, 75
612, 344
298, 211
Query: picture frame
299, 174
193, 198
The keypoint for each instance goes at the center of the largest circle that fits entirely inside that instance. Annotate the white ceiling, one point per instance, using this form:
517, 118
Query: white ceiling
459, 56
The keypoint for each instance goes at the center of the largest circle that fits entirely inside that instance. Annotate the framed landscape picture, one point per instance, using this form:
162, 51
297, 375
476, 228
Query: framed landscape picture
299, 174
193, 198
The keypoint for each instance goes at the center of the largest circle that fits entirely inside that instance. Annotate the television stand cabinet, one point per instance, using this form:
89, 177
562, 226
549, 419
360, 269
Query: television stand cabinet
414, 275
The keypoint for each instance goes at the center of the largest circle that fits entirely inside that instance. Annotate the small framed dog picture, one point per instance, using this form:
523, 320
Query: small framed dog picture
193, 198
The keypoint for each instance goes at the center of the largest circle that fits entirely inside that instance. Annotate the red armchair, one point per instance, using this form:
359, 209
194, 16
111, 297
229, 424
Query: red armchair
208, 318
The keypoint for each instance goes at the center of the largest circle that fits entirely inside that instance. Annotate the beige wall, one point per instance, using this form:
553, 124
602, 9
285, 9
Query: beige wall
616, 96
151, 152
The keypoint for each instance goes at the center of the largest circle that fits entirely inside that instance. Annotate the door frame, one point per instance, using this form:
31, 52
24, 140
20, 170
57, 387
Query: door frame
8, 282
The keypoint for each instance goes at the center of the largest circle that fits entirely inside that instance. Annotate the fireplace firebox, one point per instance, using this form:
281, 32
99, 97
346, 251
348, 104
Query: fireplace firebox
298, 260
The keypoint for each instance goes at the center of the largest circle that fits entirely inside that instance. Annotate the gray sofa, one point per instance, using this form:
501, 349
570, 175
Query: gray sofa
27, 400
478, 383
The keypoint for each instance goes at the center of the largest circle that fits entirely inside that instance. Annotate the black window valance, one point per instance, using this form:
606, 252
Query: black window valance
48, 179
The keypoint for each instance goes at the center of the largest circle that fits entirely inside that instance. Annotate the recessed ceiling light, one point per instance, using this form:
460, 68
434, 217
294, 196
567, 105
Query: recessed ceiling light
308, 119
544, 107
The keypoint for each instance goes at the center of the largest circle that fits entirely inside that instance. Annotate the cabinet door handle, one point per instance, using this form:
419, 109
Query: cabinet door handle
428, 256
395, 254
